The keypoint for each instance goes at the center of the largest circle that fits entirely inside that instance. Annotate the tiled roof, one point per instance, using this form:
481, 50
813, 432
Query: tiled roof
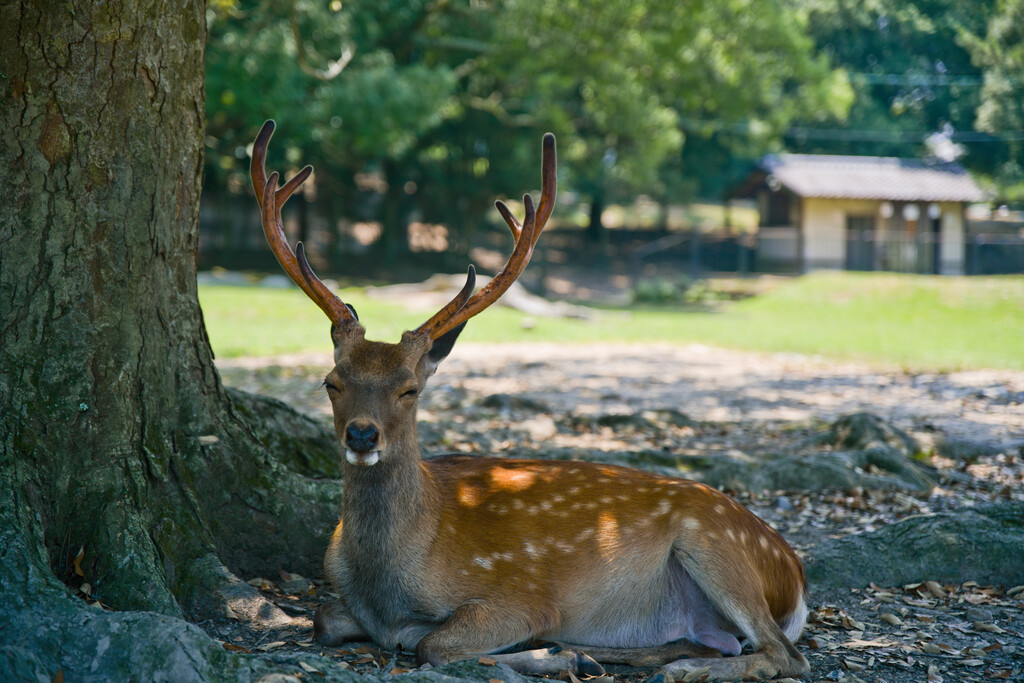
886, 178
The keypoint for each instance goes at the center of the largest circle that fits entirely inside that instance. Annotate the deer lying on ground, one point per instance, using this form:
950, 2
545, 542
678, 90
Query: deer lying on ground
462, 556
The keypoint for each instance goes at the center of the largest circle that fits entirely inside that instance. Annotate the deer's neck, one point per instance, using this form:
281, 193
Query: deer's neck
388, 504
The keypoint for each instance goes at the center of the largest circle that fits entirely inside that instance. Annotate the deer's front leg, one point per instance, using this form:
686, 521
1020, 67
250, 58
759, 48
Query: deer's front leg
333, 625
480, 628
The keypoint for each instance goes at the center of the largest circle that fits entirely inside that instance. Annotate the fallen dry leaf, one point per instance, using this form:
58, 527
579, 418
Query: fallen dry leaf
851, 665
266, 647
78, 561
851, 623
487, 661
990, 628
260, 583
858, 644
231, 647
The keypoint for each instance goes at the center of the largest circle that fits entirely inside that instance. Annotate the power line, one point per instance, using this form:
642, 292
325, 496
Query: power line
922, 80
843, 134
746, 127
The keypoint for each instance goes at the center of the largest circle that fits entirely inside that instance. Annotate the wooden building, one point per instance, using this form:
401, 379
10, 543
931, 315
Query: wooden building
862, 213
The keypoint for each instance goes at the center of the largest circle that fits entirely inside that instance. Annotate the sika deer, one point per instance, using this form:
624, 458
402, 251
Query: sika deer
460, 556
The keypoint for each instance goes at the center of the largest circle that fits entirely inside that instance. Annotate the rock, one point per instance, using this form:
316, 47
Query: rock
822, 471
510, 402
983, 544
276, 282
866, 431
659, 418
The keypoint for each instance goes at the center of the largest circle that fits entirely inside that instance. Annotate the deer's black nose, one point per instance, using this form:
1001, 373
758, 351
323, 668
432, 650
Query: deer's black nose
362, 438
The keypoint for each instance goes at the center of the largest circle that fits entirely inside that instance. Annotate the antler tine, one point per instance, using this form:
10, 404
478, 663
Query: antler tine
549, 182
510, 219
525, 238
453, 306
548, 191
271, 199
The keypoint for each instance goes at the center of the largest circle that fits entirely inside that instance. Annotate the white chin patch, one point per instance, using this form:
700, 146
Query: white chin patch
367, 459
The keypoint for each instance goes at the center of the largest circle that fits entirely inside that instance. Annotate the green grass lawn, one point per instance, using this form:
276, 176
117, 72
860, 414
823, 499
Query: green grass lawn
916, 322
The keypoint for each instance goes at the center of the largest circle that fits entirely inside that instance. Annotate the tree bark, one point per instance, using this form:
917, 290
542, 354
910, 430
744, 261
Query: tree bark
118, 442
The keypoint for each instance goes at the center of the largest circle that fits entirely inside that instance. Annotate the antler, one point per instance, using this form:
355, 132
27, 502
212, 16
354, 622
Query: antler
271, 199
463, 307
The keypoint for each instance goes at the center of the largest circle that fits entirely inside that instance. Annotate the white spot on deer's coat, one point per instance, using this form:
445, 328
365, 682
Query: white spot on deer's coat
719, 508
530, 549
663, 507
484, 562
763, 540
730, 534
691, 523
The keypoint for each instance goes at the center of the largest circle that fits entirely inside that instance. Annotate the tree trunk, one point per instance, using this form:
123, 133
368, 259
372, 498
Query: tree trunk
596, 232
118, 442
394, 236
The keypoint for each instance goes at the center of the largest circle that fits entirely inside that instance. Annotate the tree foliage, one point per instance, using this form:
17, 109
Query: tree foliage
445, 101
1000, 53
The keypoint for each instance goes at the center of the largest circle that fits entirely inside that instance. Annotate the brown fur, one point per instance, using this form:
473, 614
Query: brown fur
460, 556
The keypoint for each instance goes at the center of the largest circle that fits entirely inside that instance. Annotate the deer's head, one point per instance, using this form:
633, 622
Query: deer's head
374, 386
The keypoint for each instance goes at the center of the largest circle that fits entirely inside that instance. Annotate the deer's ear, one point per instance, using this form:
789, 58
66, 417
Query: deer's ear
440, 349
345, 334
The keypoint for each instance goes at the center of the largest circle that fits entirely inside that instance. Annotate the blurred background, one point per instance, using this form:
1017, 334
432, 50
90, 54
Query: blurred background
704, 145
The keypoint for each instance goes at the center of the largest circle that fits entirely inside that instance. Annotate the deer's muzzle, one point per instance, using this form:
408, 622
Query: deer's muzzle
362, 443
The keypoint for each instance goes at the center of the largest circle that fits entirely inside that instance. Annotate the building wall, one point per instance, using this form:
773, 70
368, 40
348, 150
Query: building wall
824, 221
952, 238
824, 226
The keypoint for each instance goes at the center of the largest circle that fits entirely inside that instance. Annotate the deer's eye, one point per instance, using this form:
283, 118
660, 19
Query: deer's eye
332, 388
409, 393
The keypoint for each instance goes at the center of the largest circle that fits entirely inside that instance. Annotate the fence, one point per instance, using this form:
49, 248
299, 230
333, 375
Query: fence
230, 236
783, 250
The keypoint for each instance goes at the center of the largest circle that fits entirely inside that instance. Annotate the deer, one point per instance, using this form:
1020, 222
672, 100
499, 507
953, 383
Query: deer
543, 565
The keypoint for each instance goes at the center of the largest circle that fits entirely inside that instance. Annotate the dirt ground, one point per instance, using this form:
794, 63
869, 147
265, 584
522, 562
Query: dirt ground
563, 401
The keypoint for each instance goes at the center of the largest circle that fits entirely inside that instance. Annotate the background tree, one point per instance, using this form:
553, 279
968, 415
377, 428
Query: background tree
1000, 53
443, 102
911, 75
124, 463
